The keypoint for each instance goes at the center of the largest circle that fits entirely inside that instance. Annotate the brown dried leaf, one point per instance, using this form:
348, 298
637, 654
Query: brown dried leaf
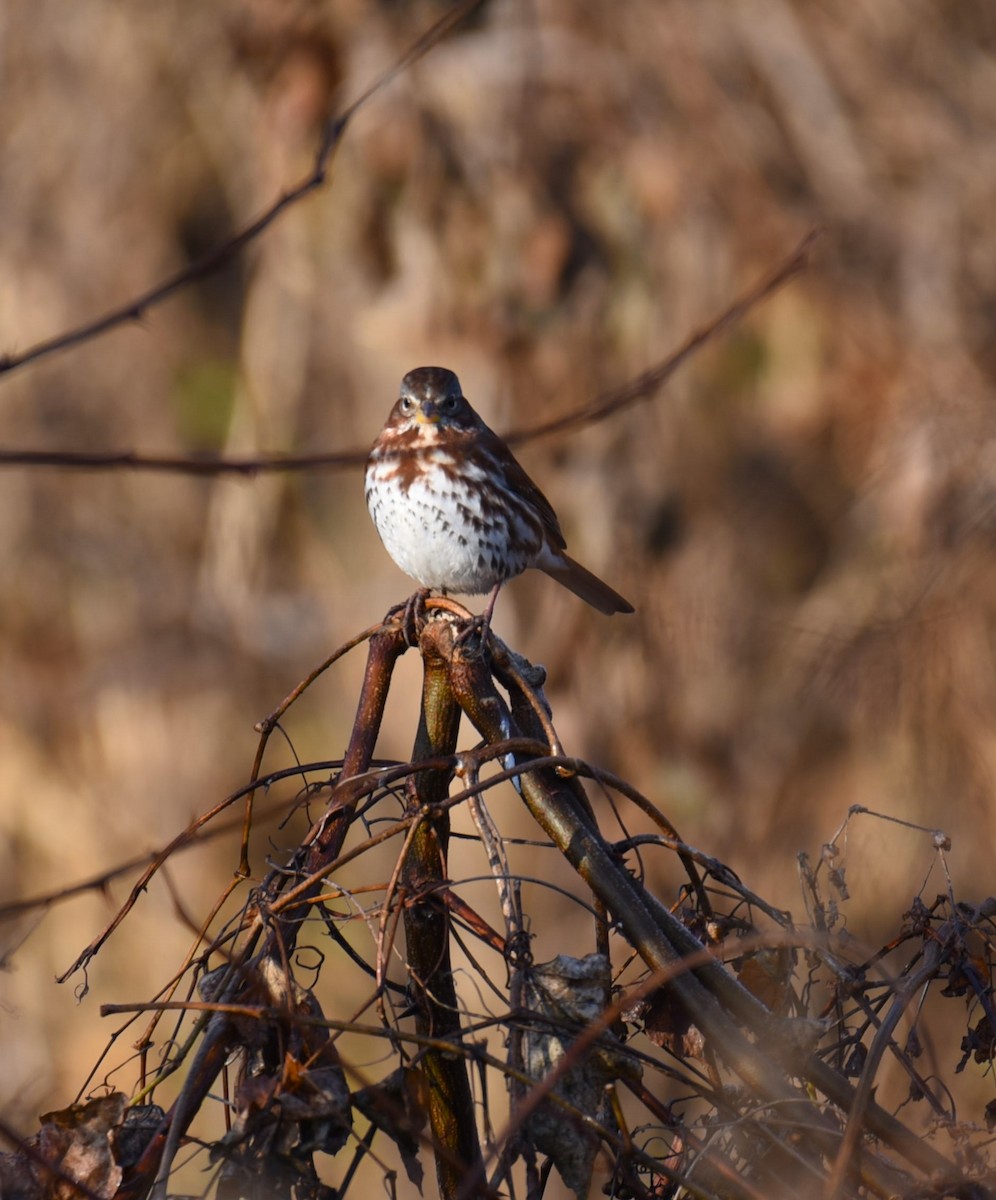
399, 1107
667, 1025
767, 973
78, 1140
565, 994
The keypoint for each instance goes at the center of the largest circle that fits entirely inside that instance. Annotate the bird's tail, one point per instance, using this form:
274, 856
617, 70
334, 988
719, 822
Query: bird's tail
583, 583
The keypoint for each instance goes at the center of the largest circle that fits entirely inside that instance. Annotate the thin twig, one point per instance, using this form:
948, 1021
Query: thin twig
642, 387
649, 382
332, 135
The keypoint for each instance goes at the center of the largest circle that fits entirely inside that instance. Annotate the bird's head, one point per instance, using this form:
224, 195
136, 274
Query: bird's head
431, 397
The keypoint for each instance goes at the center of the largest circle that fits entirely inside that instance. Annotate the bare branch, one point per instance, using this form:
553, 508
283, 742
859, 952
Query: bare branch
332, 135
642, 387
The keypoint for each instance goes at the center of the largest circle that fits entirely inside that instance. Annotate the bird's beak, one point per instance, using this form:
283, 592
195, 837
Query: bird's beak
427, 413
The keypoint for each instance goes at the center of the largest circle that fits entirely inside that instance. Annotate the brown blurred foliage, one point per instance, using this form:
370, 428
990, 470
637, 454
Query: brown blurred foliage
547, 204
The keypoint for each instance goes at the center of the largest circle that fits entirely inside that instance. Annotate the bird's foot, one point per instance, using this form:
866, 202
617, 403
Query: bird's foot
474, 628
413, 616
480, 625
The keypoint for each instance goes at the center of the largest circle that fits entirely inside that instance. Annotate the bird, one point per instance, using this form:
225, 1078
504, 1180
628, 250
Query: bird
453, 507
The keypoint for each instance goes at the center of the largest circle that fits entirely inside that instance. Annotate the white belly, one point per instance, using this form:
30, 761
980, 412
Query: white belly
444, 537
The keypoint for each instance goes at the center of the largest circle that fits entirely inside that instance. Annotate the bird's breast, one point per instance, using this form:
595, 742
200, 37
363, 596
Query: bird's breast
448, 521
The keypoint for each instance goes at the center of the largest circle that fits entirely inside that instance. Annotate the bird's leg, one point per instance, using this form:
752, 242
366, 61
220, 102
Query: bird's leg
489, 609
483, 622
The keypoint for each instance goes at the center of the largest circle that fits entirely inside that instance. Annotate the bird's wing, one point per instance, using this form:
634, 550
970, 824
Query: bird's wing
520, 483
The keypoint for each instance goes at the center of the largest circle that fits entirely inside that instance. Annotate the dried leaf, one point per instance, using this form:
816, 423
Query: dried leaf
978, 1043
767, 973
667, 1025
398, 1107
568, 993
79, 1140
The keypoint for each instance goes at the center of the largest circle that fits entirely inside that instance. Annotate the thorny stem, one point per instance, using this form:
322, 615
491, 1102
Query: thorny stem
460, 678
662, 941
320, 847
427, 932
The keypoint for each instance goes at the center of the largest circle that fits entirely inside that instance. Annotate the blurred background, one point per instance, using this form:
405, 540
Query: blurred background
548, 203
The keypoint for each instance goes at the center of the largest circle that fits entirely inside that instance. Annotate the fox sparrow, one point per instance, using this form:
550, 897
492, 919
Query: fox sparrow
454, 509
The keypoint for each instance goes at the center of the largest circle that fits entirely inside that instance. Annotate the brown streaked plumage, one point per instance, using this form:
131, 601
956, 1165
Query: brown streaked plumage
455, 510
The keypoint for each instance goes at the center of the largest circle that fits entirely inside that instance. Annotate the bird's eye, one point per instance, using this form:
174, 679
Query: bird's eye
449, 404
406, 403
